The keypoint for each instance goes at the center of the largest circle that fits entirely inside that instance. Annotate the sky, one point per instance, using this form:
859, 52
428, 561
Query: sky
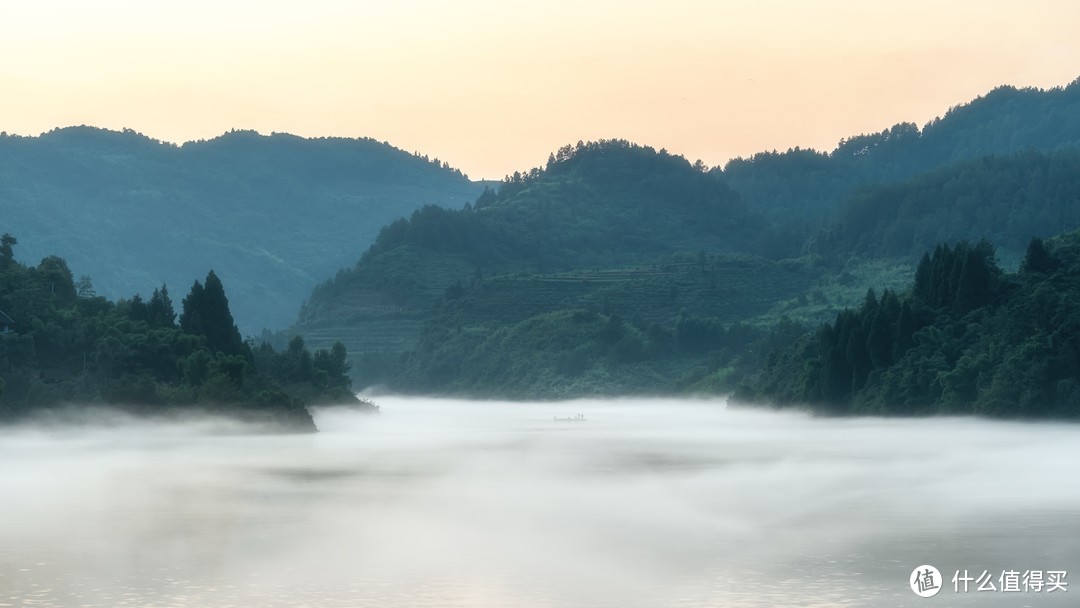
493, 86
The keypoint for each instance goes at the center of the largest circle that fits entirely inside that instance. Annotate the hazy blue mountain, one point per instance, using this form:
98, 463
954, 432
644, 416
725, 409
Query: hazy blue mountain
272, 215
801, 189
1005, 199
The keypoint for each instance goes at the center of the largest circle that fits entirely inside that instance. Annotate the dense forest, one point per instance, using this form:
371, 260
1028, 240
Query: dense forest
274, 215
60, 344
965, 338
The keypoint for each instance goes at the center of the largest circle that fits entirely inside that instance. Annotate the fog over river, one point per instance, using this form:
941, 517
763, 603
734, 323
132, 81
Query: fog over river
441, 503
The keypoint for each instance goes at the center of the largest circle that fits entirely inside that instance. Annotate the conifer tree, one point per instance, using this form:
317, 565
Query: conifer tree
1038, 259
206, 313
160, 311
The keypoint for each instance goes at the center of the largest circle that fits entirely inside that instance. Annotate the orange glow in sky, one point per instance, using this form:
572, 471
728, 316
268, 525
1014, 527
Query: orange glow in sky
494, 86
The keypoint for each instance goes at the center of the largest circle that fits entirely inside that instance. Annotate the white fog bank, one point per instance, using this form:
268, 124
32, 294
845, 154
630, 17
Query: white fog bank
441, 503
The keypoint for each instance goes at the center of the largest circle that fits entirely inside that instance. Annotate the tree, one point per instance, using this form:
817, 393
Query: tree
339, 356
334, 366
57, 278
159, 310
206, 313
7, 251
137, 309
879, 341
857, 357
975, 285
905, 331
922, 279
1038, 259
84, 287
191, 312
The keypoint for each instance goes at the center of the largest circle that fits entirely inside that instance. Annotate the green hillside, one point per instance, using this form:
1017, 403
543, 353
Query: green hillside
596, 206
965, 338
624, 331
273, 214
617, 268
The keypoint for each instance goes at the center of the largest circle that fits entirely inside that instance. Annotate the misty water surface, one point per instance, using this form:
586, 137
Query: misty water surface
448, 503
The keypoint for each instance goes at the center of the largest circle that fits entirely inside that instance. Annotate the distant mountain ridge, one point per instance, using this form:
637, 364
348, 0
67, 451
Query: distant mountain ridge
273, 215
802, 187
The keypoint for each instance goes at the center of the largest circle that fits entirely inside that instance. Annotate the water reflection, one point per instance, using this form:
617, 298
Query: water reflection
446, 503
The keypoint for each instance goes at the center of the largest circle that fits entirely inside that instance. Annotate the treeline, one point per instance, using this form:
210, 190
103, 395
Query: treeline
68, 346
966, 338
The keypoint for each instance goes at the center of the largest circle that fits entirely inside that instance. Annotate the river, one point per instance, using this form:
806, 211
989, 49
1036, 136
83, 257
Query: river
442, 503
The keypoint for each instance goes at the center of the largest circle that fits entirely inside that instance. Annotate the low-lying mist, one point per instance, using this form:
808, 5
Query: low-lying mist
457, 503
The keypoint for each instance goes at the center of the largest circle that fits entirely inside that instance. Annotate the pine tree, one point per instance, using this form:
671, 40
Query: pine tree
191, 313
221, 331
974, 287
206, 313
922, 279
1038, 259
904, 338
857, 357
879, 341
7, 251
160, 311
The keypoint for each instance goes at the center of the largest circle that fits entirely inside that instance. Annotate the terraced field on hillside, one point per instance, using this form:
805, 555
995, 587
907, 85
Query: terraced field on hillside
727, 287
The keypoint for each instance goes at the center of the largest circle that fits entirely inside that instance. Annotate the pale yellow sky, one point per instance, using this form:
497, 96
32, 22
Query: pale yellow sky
494, 86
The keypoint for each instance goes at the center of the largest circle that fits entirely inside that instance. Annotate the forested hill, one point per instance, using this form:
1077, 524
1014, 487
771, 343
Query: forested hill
597, 205
599, 220
617, 268
800, 184
965, 338
273, 214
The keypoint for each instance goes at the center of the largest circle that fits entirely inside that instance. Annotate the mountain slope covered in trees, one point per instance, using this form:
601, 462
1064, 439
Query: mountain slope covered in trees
1004, 199
966, 338
806, 185
273, 214
600, 205
624, 269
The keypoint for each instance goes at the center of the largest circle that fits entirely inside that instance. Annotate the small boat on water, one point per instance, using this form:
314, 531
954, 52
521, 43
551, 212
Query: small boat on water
577, 418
